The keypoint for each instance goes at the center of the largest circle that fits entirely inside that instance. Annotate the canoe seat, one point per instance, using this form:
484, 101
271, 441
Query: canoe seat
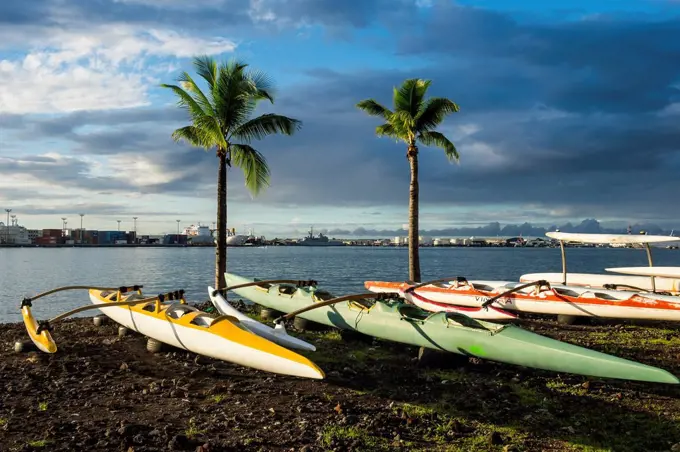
287, 289
203, 320
178, 310
484, 287
567, 292
321, 295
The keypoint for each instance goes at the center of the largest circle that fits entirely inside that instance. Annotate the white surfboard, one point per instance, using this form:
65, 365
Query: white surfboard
664, 272
610, 238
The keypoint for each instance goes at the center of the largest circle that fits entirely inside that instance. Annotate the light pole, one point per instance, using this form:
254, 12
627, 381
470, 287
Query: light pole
81, 227
7, 226
118, 225
177, 227
14, 220
134, 227
63, 226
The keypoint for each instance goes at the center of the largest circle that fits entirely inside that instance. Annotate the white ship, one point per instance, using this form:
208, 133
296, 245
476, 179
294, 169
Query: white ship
200, 234
13, 234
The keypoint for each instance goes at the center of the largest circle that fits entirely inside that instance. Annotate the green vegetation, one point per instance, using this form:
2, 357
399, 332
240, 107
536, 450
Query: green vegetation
42, 406
39, 443
361, 439
414, 120
192, 430
221, 120
218, 398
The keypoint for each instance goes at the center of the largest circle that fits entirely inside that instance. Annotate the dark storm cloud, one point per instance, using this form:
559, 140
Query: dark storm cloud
589, 65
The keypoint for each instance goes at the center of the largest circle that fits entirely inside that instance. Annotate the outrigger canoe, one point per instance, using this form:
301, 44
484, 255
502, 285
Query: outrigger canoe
185, 327
277, 334
448, 331
544, 299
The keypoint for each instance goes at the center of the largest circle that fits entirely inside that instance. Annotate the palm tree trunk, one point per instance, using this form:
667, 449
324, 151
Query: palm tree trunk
221, 248
413, 242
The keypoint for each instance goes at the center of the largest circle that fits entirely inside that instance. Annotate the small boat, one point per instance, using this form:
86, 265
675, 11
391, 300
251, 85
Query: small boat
544, 299
277, 334
403, 322
593, 280
185, 327
486, 313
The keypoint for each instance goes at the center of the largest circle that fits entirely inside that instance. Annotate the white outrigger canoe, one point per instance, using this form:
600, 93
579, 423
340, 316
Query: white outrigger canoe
654, 282
539, 299
277, 334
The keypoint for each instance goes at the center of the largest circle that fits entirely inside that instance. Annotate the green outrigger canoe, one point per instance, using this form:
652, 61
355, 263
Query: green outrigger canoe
453, 332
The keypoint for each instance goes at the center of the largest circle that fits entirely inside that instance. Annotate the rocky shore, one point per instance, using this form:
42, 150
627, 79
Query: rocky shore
100, 392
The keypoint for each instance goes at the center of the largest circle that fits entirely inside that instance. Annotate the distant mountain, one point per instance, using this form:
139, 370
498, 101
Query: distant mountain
589, 226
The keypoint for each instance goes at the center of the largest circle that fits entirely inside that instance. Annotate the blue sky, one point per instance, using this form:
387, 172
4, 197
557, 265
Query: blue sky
569, 110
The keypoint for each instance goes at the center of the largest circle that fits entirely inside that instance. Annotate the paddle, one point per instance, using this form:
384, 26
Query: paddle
47, 324
540, 282
353, 297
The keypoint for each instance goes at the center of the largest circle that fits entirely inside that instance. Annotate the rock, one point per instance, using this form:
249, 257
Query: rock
124, 366
178, 442
138, 439
351, 419
495, 439
126, 430
675, 447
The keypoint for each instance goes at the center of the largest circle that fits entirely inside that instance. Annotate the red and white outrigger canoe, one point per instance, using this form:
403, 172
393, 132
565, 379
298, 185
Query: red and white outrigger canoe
478, 312
545, 299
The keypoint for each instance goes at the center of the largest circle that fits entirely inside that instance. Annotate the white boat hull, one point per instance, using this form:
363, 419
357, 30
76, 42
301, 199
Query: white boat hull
277, 335
199, 340
593, 280
658, 272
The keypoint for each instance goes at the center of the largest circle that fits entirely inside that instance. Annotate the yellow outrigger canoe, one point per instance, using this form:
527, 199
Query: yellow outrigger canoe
183, 326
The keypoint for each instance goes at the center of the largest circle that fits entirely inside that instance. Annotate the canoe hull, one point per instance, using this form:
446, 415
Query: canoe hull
221, 338
581, 302
278, 336
408, 324
658, 272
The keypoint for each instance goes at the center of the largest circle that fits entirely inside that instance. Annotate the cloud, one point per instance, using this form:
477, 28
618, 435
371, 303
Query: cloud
561, 117
92, 67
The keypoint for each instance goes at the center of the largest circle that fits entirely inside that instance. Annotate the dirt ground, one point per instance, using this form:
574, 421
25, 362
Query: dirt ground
100, 392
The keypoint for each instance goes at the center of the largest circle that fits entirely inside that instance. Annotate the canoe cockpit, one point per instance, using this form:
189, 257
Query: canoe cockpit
282, 289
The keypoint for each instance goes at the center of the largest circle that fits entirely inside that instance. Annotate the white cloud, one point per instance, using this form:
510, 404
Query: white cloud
95, 68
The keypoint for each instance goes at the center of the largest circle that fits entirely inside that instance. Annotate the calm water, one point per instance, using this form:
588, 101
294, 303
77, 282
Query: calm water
28, 271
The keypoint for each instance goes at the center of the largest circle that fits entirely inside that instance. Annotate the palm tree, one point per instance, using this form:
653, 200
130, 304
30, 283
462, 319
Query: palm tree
221, 120
414, 120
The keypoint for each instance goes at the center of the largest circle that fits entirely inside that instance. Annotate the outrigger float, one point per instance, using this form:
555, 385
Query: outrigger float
392, 319
177, 324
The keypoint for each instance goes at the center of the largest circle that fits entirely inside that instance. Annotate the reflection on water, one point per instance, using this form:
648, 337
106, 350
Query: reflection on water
28, 271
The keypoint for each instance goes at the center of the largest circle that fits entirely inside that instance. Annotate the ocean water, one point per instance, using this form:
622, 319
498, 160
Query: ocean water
343, 270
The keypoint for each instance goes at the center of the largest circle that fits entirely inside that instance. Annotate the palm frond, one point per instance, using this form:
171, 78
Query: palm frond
388, 130
265, 125
433, 112
253, 164
409, 96
234, 101
206, 67
373, 108
186, 101
263, 85
192, 135
192, 88
431, 138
